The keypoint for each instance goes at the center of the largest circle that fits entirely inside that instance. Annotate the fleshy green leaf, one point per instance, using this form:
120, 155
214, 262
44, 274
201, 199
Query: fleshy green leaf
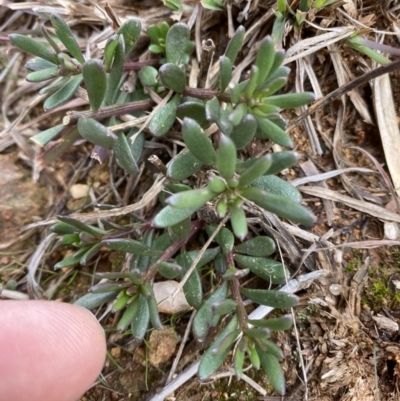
44, 137
255, 171
198, 143
224, 238
210, 361
130, 30
37, 64
42, 75
282, 160
235, 44
95, 231
164, 118
148, 76
97, 133
265, 59
273, 298
169, 270
238, 221
277, 186
91, 301
279, 205
244, 132
268, 269
257, 246
212, 110
130, 246
278, 323
114, 78
141, 320
223, 307
56, 84
89, 254
170, 216
123, 153
226, 157
128, 315
217, 184
273, 132
291, 100
63, 94
273, 370
205, 318
225, 73
95, 80
152, 303
72, 260
183, 166
66, 37
177, 41
238, 362
194, 110
272, 87
34, 47
109, 51
173, 77
195, 198
253, 82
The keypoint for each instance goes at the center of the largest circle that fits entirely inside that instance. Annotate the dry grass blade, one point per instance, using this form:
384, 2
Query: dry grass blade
386, 118
362, 206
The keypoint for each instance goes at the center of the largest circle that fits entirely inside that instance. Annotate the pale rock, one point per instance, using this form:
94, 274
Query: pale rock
79, 191
167, 304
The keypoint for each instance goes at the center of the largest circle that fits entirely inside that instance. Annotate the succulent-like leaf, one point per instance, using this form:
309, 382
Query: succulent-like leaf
92, 251
192, 289
279, 205
268, 269
173, 77
66, 37
42, 75
278, 323
148, 76
177, 40
224, 238
273, 298
212, 110
130, 246
217, 184
222, 208
63, 94
169, 270
196, 198
265, 110
130, 30
257, 246
265, 59
225, 73
38, 63
182, 166
271, 131
97, 133
198, 143
226, 157
114, 78
109, 286
273, 370
141, 320
291, 100
194, 110
238, 114
123, 153
164, 118
109, 51
244, 132
272, 87
282, 160
72, 260
277, 186
210, 361
34, 47
81, 226
128, 315
277, 69
44, 137
180, 230
205, 318
238, 221
63, 228
253, 82
235, 44
255, 171
220, 264
254, 358
152, 304
170, 215
238, 362
55, 85
69, 239
91, 301
121, 301
95, 80
223, 307
206, 257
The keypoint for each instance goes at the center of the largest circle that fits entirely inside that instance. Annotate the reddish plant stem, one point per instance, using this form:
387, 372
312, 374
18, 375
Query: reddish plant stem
137, 65
173, 249
235, 289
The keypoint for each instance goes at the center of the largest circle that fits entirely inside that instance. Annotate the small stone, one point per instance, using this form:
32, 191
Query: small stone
115, 352
79, 191
163, 292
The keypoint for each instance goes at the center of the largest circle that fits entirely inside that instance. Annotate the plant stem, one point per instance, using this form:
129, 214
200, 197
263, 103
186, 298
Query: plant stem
137, 65
235, 289
172, 250
108, 111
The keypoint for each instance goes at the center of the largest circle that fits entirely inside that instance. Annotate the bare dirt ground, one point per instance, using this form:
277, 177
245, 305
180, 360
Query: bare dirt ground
347, 320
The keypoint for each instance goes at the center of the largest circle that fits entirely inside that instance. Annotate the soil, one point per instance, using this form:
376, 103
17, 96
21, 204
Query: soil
347, 321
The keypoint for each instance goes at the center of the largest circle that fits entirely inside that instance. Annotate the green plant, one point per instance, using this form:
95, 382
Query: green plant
207, 178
